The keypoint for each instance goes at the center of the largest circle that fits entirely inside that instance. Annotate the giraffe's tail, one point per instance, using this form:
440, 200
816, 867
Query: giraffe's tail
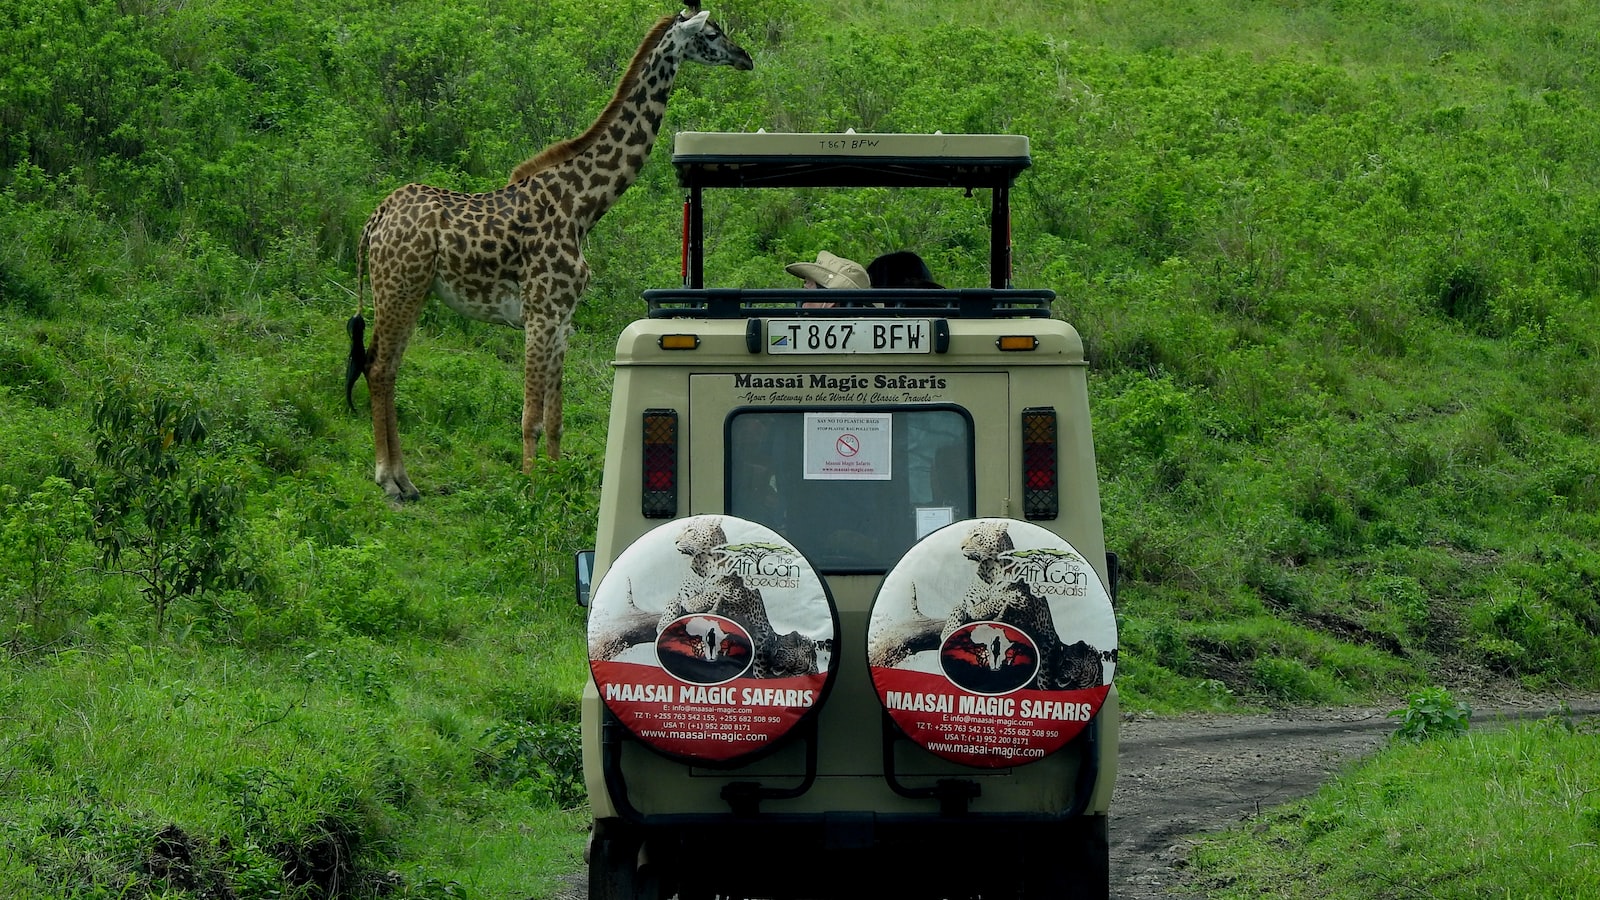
356, 365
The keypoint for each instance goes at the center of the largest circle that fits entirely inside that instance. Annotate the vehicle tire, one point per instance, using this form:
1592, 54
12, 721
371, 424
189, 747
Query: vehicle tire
1072, 862
614, 871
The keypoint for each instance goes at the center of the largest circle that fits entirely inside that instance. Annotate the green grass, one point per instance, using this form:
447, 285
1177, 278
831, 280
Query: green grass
1334, 264
359, 754
1502, 813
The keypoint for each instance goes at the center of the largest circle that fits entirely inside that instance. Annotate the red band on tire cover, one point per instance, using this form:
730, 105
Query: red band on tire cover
992, 642
711, 638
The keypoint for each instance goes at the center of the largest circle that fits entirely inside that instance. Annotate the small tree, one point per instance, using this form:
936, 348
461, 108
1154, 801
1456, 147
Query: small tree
36, 535
158, 515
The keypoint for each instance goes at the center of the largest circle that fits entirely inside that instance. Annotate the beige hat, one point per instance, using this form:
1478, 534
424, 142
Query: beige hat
831, 271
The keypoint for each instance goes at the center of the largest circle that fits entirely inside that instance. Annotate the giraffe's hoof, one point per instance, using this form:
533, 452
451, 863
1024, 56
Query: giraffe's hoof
401, 490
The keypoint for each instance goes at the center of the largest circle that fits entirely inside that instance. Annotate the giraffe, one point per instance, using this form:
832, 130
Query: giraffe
514, 256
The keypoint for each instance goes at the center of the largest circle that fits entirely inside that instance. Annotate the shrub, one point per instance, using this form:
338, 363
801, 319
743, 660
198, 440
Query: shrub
1151, 418
162, 515
1289, 680
35, 537
1429, 713
20, 291
547, 753
30, 370
355, 587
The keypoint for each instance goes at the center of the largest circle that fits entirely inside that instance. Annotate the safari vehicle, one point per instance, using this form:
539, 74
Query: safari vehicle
850, 609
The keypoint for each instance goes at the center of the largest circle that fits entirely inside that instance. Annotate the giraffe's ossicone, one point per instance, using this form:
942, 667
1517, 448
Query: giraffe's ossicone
514, 256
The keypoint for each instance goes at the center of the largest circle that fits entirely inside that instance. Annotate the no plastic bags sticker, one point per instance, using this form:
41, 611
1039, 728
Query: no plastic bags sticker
711, 638
992, 642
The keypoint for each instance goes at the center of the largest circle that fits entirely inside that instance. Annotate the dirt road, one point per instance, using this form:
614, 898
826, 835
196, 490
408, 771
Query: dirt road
1186, 775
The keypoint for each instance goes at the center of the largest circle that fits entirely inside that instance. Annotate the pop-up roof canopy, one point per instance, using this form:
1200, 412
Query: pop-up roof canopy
762, 159
851, 160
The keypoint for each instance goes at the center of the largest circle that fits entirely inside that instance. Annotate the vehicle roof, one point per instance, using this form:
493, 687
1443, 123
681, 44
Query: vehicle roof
848, 159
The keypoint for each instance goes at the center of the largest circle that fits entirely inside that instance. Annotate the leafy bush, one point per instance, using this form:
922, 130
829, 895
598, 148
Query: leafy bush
30, 371
161, 513
21, 292
351, 586
37, 536
547, 753
1429, 713
1148, 419
1287, 680
320, 829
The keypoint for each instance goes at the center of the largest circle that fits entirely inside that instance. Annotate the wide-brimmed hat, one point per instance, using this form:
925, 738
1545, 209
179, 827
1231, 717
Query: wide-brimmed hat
831, 271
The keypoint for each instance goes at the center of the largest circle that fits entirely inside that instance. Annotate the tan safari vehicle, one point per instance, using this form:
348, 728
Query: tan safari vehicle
850, 617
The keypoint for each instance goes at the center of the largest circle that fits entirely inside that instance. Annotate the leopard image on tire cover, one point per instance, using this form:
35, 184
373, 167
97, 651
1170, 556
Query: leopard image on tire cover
711, 639
992, 642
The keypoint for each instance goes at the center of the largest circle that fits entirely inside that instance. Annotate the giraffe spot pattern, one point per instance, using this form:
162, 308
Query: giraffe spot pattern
515, 256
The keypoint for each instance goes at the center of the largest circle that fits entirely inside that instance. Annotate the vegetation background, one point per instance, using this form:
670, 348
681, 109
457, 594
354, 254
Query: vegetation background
1336, 263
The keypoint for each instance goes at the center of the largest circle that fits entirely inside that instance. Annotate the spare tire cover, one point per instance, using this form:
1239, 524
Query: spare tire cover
711, 639
992, 642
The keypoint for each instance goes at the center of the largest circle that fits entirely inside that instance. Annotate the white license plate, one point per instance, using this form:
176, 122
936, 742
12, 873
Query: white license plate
849, 336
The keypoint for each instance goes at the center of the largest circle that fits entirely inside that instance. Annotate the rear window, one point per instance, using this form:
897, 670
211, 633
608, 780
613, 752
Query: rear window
852, 489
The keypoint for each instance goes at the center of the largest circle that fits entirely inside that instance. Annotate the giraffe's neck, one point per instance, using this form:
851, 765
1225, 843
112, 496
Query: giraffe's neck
624, 134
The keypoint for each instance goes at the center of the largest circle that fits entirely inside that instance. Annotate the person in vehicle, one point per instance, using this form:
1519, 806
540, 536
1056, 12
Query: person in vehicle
901, 269
829, 272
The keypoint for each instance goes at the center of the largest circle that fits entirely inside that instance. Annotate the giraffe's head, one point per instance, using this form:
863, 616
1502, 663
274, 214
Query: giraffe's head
703, 41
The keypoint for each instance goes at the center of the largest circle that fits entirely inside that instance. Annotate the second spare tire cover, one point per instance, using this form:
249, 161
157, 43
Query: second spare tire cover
711, 639
992, 642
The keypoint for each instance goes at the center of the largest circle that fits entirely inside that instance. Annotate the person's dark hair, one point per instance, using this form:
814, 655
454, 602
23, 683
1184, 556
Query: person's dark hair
901, 269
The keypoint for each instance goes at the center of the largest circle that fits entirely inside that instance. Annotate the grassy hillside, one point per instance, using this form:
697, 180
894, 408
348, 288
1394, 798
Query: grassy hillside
1337, 265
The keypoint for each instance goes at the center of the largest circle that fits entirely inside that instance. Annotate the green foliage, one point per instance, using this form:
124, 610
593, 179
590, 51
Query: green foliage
1506, 810
1430, 713
161, 514
316, 830
1335, 266
549, 754
1570, 722
1287, 680
354, 587
31, 370
38, 537
358, 667
1149, 419
21, 292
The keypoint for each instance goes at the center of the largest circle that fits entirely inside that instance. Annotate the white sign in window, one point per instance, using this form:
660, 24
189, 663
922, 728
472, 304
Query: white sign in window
849, 446
933, 518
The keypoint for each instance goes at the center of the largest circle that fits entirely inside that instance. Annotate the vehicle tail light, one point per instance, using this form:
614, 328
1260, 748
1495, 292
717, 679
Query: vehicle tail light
1041, 490
659, 499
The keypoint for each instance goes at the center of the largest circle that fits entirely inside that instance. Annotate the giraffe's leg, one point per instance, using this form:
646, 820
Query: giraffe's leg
389, 471
546, 349
536, 348
552, 402
394, 316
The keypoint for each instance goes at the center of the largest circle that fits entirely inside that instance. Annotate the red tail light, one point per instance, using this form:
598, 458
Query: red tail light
1041, 490
659, 499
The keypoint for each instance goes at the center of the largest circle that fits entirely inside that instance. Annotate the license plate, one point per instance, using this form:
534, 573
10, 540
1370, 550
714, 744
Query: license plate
787, 336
